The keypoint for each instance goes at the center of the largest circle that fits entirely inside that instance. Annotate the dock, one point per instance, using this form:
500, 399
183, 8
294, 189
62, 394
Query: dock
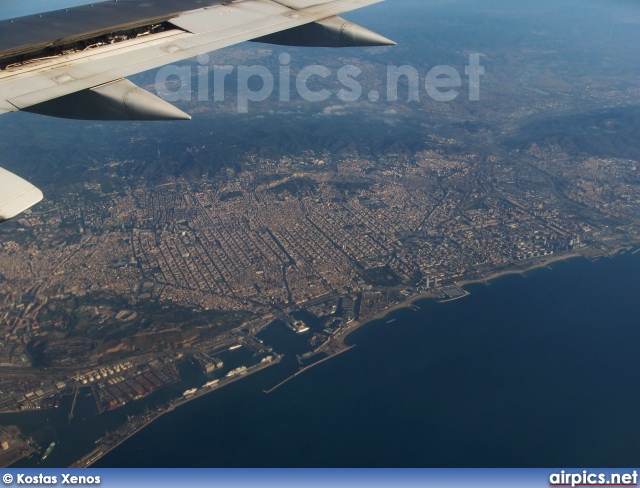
453, 292
135, 424
73, 404
307, 368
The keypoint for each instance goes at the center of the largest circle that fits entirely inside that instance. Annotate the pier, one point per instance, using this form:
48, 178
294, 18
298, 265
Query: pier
307, 368
76, 389
452, 292
138, 422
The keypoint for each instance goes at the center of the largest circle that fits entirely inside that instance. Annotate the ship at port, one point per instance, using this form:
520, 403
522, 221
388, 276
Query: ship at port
236, 346
237, 372
190, 392
298, 327
48, 451
210, 383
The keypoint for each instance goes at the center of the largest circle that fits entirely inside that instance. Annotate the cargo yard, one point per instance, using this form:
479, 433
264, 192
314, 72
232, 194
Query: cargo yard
136, 423
14, 446
125, 384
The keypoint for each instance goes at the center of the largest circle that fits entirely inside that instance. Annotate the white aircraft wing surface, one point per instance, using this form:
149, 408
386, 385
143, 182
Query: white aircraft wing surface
16, 195
73, 63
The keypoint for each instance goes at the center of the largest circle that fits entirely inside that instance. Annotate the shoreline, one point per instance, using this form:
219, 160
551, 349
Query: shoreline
544, 262
299, 372
98, 453
337, 345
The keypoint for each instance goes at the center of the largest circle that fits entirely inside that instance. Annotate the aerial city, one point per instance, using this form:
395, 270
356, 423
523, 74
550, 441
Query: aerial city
417, 252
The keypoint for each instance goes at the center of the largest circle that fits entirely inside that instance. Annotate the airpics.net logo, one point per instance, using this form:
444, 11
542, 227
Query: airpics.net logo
586, 478
257, 83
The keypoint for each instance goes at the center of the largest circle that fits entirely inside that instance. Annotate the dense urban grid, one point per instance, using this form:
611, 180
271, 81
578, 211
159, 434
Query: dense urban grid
287, 232
104, 289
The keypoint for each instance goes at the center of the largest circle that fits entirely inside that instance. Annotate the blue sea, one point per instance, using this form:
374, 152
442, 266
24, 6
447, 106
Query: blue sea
535, 371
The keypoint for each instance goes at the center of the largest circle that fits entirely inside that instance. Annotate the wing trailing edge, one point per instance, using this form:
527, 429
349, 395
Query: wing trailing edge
35, 81
73, 63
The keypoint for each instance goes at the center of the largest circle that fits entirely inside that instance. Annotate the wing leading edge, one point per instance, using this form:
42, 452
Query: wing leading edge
80, 62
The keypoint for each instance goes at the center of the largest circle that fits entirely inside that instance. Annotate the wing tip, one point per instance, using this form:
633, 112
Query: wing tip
18, 195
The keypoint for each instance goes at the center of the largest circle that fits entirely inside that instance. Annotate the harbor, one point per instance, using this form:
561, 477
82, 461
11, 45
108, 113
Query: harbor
136, 423
306, 368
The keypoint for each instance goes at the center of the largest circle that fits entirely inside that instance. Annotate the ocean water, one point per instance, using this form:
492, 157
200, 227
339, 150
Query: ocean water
534, 371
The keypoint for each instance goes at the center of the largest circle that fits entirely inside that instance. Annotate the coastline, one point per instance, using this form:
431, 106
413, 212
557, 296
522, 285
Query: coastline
337, 345
514, 269
99, 452
299, 372
424, 360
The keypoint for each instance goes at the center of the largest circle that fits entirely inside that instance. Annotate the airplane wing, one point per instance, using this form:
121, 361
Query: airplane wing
16, 195
73, 63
